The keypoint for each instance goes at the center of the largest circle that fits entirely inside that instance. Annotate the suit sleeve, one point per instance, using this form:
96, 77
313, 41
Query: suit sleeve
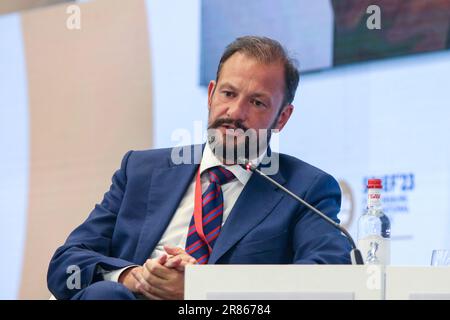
315, 240
87, 248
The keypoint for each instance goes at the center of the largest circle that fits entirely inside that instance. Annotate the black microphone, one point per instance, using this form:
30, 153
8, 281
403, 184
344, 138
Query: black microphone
355, 254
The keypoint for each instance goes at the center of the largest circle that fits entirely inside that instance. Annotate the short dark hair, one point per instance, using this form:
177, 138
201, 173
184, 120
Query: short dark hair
267, 51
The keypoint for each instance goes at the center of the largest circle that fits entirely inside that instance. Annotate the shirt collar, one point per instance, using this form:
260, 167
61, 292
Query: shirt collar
209, 160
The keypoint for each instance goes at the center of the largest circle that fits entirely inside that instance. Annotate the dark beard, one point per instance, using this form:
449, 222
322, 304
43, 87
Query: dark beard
228, 150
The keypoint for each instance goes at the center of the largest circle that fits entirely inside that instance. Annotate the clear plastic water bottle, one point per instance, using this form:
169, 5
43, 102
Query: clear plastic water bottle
374, 228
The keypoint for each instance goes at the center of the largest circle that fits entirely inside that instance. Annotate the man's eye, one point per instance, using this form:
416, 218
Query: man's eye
258, 103
228, 93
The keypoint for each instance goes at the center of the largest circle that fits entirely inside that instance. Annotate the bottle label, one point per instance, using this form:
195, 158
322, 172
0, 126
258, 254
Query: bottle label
374, 198
375, 249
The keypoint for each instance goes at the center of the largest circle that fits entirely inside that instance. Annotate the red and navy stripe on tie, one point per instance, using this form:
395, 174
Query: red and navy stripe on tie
212, 216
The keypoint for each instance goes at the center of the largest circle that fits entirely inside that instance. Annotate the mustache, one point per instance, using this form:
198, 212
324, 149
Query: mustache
236, 123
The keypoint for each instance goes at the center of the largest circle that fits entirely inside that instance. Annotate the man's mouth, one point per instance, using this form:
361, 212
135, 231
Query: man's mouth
231, 130
228, 126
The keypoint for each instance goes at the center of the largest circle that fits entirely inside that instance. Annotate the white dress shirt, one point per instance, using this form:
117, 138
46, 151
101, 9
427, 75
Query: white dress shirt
176, 233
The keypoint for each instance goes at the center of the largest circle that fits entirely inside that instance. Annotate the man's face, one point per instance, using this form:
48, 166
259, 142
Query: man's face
248, 95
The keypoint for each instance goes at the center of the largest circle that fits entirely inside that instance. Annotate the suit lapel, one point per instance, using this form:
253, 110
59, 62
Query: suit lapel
257, 200
167, 188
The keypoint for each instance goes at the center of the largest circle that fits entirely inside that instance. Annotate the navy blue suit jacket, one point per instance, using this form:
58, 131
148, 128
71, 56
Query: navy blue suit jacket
265, 226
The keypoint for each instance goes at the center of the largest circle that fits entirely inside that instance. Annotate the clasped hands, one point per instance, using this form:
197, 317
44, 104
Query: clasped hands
160, 278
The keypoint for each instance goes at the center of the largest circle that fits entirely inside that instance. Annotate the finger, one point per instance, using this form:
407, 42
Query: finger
173, 262
145, 288
153, 280
140, 283
152, 291
192, 260
173, 250
162, 259
147, 294
187, 259
179, 263
142, 287
157, 269
171, 289
184, 263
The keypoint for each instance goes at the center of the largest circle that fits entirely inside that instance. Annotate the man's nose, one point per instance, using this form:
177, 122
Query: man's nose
238, 110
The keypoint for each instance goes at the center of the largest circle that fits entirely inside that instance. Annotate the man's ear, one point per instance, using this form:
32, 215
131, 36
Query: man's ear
284, 117
211, 88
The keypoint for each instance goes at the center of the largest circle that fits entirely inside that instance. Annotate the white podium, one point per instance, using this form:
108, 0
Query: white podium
286, 282
417, 283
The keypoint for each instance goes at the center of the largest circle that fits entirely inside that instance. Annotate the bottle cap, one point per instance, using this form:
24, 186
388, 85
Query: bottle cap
374, 184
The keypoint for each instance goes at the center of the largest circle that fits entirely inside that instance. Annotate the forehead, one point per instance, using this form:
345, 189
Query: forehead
247, 72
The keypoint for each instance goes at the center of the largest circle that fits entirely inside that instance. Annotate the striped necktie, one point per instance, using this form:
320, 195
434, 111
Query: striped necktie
212, 213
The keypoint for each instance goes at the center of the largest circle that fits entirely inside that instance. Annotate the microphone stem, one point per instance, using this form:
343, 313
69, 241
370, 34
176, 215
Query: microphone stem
356, 254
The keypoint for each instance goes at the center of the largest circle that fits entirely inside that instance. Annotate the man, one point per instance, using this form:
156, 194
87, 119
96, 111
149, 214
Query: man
161, 215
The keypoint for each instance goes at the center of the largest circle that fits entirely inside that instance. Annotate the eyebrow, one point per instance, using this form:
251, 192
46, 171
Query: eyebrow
227, 85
